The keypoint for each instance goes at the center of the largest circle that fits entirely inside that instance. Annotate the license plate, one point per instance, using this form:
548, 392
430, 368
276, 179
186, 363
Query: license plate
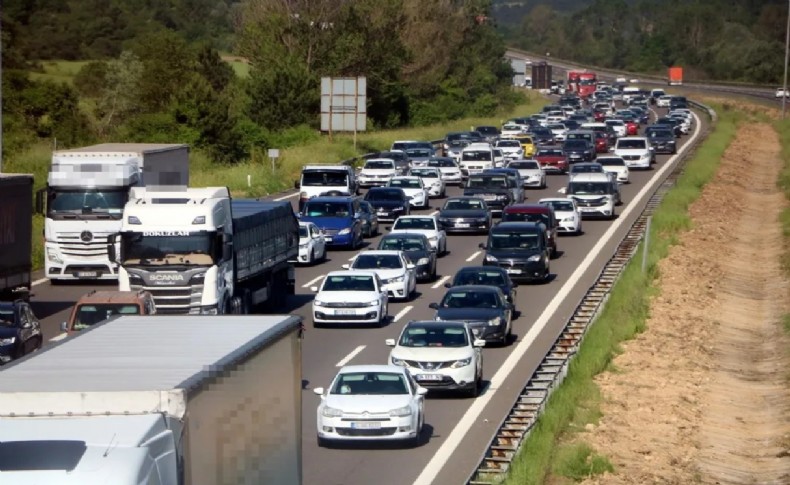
462, 224
489, 197
345, 312
87, 274
588, 209
429, 377
365, 424
328, 238
514, 271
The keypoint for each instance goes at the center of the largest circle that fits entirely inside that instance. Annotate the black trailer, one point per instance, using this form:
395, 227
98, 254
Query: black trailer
16, 226
541, 75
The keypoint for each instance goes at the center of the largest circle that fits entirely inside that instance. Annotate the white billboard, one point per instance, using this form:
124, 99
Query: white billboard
343, 104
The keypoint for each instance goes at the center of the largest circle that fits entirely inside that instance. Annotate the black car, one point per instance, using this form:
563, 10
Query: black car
678, 102
484, 308
541, 136
20, 331
662, 140
389, 202
417, 249
670, 123
489, 276
465, 214
370, 221
495, 189
521, 248
578, 150
460, 139
490, 133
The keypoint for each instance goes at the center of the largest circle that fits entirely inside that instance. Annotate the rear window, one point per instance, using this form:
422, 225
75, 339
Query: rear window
89, 315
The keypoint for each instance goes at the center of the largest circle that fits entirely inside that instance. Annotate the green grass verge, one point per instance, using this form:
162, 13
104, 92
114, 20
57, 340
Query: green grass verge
547, 451
263, 178
783, 128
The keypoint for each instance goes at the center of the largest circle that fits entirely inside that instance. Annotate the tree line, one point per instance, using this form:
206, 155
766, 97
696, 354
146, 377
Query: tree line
155, 74
729, 40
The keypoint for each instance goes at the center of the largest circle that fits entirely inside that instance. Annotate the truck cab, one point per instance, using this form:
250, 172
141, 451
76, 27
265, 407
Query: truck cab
97, 306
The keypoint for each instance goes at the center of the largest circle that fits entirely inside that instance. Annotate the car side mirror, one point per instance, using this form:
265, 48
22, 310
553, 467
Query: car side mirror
64, 326
296, 184
434, 305
448, 285
410, 266
389, 228
479, 343
346, 266
390, 342
482, 245
314, 289
318, 391
421, 391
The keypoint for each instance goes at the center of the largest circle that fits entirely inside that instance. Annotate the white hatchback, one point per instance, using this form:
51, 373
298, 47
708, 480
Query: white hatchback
312, 243
431, 179
350, 297
398, 275
414, 188
569, 219
427, 225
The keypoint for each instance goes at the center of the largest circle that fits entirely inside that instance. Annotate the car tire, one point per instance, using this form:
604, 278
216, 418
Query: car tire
474, 391
322, 442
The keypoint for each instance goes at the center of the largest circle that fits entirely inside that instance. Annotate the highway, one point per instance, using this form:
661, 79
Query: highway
328, 348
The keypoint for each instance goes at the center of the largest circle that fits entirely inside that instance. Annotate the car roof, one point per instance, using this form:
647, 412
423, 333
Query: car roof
380, 252
406, 177
333, 168
585, 164
463, 197
481, 288
351, 272
402, 235
380, 159
469, 269
555, 199
592, 177
418, 216
515, 226
527, 209
633, 138
395, 369
382, 189
108, 296
436, 323
333, 198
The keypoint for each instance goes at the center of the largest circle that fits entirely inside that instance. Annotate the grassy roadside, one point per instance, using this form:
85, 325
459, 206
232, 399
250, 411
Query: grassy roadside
263, 178
783, 128
577, 401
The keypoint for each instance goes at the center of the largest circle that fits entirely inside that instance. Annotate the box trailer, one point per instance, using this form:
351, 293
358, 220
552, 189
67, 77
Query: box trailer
165, 400
675, 76
16, 221
541, 76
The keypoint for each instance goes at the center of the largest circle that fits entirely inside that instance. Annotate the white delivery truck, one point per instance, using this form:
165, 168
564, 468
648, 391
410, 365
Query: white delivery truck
85, 195
158, 400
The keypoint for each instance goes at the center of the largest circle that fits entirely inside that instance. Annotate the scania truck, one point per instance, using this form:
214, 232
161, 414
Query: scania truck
200, 252
85, 195
158, 400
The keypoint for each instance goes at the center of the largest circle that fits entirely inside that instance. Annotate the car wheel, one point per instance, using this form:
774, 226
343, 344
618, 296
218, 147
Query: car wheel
474, 391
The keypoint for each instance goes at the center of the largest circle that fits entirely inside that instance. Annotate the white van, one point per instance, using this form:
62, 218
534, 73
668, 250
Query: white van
320, 179
596, 194
630, 92
475, 158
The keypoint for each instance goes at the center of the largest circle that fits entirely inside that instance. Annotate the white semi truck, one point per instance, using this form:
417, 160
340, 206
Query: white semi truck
200, 252
158, 400
85, 195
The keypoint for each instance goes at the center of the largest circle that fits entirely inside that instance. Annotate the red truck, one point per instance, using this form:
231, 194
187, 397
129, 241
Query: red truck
582, 82
675, 76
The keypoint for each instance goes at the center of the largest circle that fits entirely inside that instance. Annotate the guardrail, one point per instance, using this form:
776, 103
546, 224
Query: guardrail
517, 425
354, 160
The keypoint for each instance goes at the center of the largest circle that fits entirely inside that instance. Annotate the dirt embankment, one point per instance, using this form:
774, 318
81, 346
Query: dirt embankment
702, 396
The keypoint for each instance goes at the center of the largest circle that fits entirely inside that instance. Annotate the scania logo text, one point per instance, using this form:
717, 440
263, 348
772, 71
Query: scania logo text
166, 277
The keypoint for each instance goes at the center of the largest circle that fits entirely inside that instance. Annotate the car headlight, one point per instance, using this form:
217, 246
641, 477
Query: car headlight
501, 196
494, 322
491, 258
404, 411
330, 412
461, 363
373, 303
534, 257
397, 279
435, 237
345, 231
397, 209
568, 219
52, 255
7, 341
422, 261
319, 303
397, 361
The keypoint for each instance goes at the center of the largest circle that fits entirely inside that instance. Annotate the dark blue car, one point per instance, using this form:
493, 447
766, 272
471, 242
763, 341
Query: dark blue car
20, 331
338, 217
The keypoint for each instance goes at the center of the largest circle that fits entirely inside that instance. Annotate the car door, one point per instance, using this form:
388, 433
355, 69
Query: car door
383, 296
25, 331
477, 351
440, 234
319, 244
411, 274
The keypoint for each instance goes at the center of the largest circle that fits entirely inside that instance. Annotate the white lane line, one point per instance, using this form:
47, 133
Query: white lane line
352, 258
59, 337
402, 313
433, 213
38, 282
310, 283
284, 197
440, 282
350, 356
472, 414
562, 190
473, 256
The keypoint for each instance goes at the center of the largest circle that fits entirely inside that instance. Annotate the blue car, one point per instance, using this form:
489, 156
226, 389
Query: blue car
338, 217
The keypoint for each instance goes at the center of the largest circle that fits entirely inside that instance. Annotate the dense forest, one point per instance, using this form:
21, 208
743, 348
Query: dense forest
737, 40
153, 70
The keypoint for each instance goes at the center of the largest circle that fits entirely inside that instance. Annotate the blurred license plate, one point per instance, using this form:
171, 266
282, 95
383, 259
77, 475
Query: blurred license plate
365, 424
328, 238
514, 270
344, 312
429, 377
463, 224
87, 274
489, 197
588, 209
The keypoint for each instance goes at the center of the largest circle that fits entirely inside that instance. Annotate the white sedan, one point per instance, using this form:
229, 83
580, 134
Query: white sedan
414, 188
451, 172
312, 243
371, 402
532, 174
440, 355
511, 148
377, 172
615, 165
398, 275
567, 213
428, 225
432, 179
350, 297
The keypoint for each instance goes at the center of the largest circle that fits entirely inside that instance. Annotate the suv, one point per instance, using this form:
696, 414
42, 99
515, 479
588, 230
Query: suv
521, 248
596, 194
98, 306
538, 213
20, 331
318, 179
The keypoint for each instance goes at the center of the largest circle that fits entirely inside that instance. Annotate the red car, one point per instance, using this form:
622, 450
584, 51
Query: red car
601, 142
552, 159
599, 116
631, 128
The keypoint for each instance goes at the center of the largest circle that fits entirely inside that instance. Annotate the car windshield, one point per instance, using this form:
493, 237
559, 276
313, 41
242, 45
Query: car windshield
588, 188
479, 277
661, 134
470, 299
476, 155
302, 231
433, 336
423, 223
370, 383
89, 315
425, 173
508, 144
524, 165
463, 204
540, 131
384, 195
557, 126
511, 128
377, 261
441, 163
487, 182
525, 217
561, 205
418, 152
7, 318
312, 178
611, 162
406, 183
327, 209
575, 144
586, 168
514, 240
549, 153
349, 283
458, 136
380, 165
402, 244
631, 144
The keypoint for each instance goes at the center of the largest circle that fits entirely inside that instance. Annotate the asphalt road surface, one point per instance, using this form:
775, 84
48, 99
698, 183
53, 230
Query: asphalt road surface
457, 429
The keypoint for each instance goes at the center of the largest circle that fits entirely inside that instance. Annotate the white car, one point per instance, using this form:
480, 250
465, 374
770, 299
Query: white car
371, 402
451, 173
350, 297
397, 274
377, 172
559, 131
663, 101
584, 168
780, 92
431, 179
312, 243
512, 129
414, 188
635, 150
440, 355
532, 174
427, 225
618, 126
615, 165
499, 158
566, 211
512, 149
685, 122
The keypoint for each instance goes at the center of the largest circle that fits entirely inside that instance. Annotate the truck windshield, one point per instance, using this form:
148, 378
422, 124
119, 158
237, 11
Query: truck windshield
476, 156
168, 248
86, 204
89, 315
324, 179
